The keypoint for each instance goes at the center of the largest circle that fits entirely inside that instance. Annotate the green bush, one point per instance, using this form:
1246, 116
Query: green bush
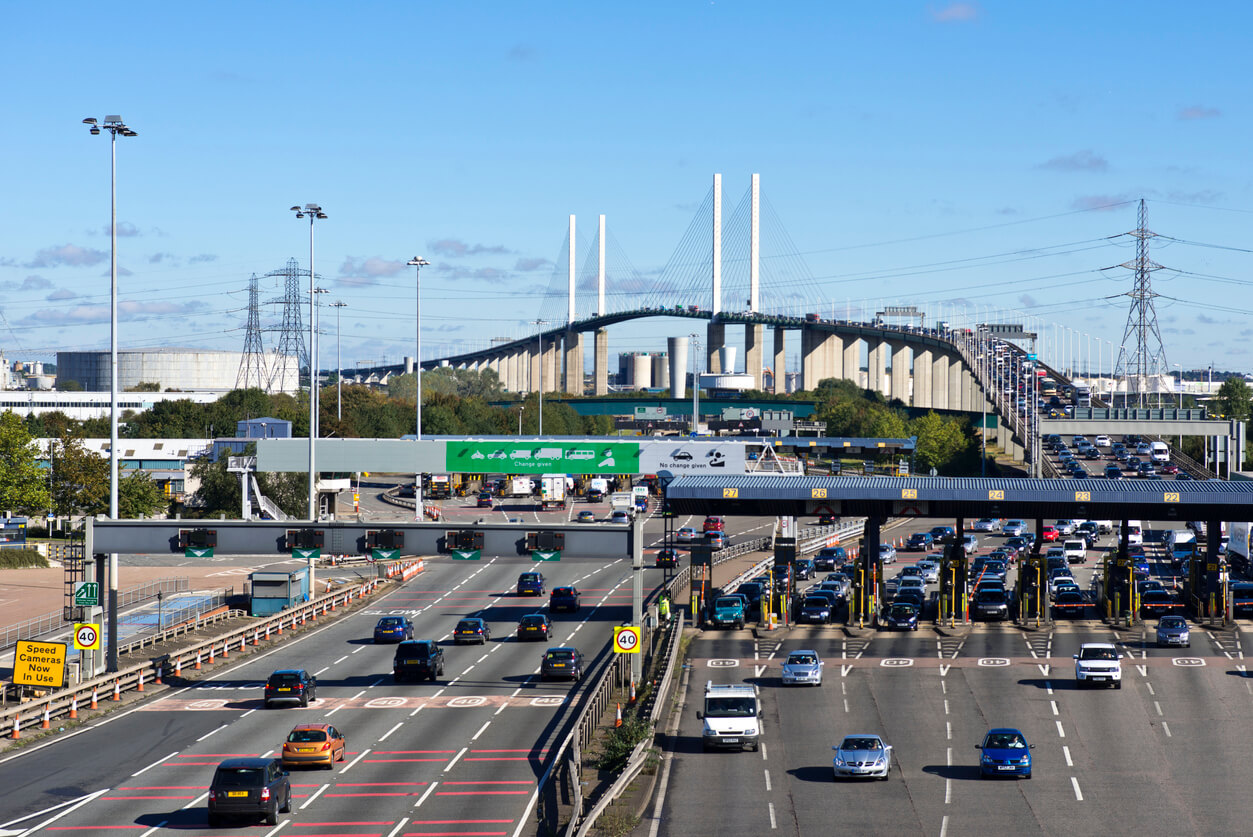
621, 741
12, 559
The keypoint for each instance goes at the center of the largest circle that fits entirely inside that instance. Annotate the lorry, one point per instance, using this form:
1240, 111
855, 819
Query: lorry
439, 487
623, 501
552, 491
521, 487
1238, 547
732, 717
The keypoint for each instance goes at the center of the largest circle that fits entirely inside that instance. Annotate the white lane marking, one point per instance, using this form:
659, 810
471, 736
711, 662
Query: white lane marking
475, 737
319, 671
428, 792
1078, 793
948, 756
207, 734
245, 715
1166, 729
1053, 704
276, 829
416, 711
1048, 686
946, 706
390, 731
944, 686
948, 791
1144, 670
1044, 668
944, 826
767, 772
82, 800
154, 764
313, 796
464, 750
845, 704
1149, 686
1158, 707
763, 751
152, 830
948, 730
1066, 753
349, 765
362, 648
399, 826
196, 801
340, 660
501, 708
1061, 732
773, 824
943, 669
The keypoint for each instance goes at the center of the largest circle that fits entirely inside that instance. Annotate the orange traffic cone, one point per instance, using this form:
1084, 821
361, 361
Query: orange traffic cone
141, 680
632, 691
243, 643
226, 650
618, 720
74, 707
46, 723
178, 666
197, 659
211, 658
157, 679
95, 696
117, 690
280, 627
17, 728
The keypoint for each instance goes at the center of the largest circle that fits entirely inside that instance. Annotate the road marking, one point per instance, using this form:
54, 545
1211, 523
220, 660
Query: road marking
767, 772
1078, 793
72, 802
276, 829
427, 793
944, 669
464, 750
944, 826
1044, 668
1166, 729
1066, 753
196, 801
475, 737
1061, 732
390, 731
759, 669
1048, 686
349, 765
211, 732
313, 796
399, 826
948, 791
319, 671
763, 751
154, 764
948, 730
948, 756
946, 706
340, 660
147, 833
844, 670
1158, 707
1149, 686
773, 824
845, 704
1053, 704
362, 648
1144, 670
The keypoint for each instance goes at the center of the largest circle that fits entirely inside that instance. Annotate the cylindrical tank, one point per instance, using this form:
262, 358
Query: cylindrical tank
641, 371
661, 372
727, 355
676, 348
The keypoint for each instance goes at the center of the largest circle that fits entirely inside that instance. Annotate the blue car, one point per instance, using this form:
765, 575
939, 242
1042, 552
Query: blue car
1005, 753
393, 629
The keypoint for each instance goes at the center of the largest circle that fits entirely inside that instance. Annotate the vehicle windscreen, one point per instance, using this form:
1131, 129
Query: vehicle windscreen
239, 777
390, 622
306, 736
860, 744
1003, 741
989, 597
902, 611
1097, 654
560, 656
727, 602
1171, 622
730, 707
816, 601
801, 660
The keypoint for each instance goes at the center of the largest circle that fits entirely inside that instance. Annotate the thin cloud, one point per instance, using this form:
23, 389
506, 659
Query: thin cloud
525, 265
61, 295
1101, 202
1079, 161
1205, 196
956, 13
371, 267
1027, 301
1007, 210
203, 257
1198, 112
125, 229
69, 255
521, 53
89, 314
157, 258
452, 248
491, 275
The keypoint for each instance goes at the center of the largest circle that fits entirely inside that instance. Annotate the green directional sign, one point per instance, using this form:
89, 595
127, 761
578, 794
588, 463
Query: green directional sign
538, 555
467, 555
306, 554
87, 594
384, 554
542, 457
198, 552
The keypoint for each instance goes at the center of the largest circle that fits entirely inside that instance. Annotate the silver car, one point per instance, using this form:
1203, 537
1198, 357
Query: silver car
1173, 630
862, 755
802, 667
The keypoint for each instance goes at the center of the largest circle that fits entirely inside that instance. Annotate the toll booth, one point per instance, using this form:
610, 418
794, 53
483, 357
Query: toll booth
866, 594
1031, 590
954, 583
273, 592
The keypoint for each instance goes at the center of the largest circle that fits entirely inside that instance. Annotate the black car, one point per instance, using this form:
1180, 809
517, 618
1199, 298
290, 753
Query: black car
564, 598
830, 558
1157, 602
667, 557
990, 603
290, 685
531, 584
919, 542
754, 590
1069, 604
815, 610
1241, 598
421, 659
472, 629
803, 569
256, 787
902, 616
563, 662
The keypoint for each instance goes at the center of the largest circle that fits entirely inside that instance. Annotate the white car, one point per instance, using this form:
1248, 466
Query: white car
912, 582
1014, 527
1102, 441
1066, 527
686, 534
887, 553
862, 755
930, 570
1059, 579
1098, 662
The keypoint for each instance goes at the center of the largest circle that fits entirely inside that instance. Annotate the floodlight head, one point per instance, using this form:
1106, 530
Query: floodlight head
295, 209
127, 132
95, 132
312, 207
91, 120
321, 215
113, 118
300, 215
418, 261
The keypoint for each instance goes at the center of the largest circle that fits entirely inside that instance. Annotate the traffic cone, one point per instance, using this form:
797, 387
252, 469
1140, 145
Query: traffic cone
618, 720
73, 707
256, 636
226, 650
197, 660
141, 680
17, 728
211, 657
178, 666
117, 690
280, 627
46, 723
243, 643
157, 671
267, 633
95, 695
632, 691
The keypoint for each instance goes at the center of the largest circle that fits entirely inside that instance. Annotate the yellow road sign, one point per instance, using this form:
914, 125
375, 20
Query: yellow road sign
39, 664
626, 640
87, 636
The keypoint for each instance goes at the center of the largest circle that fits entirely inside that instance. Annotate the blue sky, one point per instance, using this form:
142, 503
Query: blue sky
940, 154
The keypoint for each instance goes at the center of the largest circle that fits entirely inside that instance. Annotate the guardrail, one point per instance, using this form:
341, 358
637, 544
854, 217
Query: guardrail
65, 703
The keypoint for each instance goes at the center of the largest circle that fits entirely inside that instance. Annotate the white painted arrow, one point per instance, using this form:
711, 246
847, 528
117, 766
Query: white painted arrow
944, 669
844, 670
1044, 668
1144, 670
758, 670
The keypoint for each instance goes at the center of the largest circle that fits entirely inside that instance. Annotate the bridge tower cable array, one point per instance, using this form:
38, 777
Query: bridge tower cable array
1142, 357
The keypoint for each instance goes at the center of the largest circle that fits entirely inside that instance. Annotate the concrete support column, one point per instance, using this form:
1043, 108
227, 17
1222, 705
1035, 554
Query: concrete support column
552, 364
780, 361
954, 382
876, 356
715, 339
850, 349
922, 378
573, 381
813, 361
900, 371
968, 402
600, 363
754, 337
531, 382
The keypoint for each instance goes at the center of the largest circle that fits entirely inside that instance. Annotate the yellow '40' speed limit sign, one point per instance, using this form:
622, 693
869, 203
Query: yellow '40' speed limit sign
626, 640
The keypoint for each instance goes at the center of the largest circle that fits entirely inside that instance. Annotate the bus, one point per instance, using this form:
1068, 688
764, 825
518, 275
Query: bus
1048, 387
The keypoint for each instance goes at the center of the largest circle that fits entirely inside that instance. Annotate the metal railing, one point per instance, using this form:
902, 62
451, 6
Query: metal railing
55, 621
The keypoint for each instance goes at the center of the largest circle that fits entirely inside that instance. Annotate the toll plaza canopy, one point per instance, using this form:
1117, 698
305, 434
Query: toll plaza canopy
966, 497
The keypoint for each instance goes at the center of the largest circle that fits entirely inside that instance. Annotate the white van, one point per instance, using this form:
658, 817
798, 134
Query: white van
1135, 533
1159, 452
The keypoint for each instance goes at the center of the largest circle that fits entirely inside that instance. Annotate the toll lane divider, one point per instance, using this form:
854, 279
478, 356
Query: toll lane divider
64, 702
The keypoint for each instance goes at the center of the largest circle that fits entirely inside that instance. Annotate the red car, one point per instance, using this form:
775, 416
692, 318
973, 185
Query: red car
1169, 468
713, 524
1050, 534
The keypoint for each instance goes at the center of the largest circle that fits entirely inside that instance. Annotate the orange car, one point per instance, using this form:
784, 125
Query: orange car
314, 744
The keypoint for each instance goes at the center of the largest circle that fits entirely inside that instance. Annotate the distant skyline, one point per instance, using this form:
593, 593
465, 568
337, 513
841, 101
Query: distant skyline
986, 155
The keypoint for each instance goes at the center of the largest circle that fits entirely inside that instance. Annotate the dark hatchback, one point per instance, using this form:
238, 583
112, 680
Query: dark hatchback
531, 584
1158, 603
1069, 604
902, 616
919, 541
563, 662
564, 598
290, 686
421, 659
830, 558
249, 787
815, 610
534, 626
472, 629
667, 557
990, 604
393, 629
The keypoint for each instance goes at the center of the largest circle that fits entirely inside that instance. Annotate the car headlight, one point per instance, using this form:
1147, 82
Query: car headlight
1025, 760
839, 761
751, 731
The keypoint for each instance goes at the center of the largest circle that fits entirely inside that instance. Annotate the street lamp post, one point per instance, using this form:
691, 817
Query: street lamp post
539, 339
339, 365
315, 213
114, 125
417, 263
695, 383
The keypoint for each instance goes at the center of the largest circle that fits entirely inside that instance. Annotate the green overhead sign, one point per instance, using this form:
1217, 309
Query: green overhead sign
546, 555
543, 457
467, 555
